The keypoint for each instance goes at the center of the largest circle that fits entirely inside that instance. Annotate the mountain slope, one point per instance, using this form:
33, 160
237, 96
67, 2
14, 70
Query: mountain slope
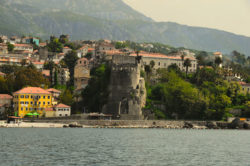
109, 19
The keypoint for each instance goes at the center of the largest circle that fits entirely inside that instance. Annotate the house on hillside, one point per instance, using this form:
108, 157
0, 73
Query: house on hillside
164, 61
81, 74
245, 87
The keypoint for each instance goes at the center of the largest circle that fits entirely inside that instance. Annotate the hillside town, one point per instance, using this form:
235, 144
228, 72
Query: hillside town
68, 66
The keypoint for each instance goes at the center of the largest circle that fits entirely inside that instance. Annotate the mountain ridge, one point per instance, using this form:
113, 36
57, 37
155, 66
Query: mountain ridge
109, 19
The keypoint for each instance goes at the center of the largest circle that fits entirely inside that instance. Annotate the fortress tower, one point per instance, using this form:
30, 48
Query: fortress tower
127, 88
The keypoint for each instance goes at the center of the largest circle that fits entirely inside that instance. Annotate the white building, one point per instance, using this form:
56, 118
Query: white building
164, 61
62, 110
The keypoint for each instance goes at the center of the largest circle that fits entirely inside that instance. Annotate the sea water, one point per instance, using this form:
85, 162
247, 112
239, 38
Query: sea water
115, 147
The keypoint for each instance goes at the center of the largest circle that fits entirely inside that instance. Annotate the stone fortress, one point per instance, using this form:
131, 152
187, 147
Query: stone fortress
127, 88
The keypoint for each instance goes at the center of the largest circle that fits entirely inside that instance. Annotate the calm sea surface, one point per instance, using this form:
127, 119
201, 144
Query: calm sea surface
113, 147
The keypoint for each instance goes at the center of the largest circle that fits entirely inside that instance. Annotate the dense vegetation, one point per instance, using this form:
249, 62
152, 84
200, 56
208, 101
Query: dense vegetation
203, 95
95, 95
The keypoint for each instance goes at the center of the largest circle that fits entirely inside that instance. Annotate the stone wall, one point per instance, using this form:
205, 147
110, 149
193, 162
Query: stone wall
127, 88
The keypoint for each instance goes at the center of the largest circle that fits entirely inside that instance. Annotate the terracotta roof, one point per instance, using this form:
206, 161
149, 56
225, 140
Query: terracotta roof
83, 47
22, 45
62, 106
91, 49
244, 84
66, 47
159, 55
46, 73
42, 44
5, 96
2, 74
217, 53
32, 90
38, 63
53, 90
1, 105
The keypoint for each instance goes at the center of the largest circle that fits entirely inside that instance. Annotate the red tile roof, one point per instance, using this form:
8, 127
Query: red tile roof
23, 45
5, 96
46, 73
32, 90
2, 74
62, 106
38, 63
53, 90
159, 55
217, 53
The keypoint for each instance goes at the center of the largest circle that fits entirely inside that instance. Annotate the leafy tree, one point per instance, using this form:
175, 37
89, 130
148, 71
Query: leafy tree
95, 95
238, 57
55, 46
152, 64
70, 60
29, 77
63, 39
201, 58
204, 74
10, 47
23, 62
187, 64
119, 45
66, 97
218, 61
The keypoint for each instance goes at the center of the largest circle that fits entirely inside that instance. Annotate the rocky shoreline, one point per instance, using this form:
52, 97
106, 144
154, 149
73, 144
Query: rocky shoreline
39, 123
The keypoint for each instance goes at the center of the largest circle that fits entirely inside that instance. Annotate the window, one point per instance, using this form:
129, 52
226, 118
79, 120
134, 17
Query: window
159, 63
31, 102
39, 102
26, 109
21, 102
66, 114
43, 103
22, 96
48, 102
27, 96
21, 108
165, 64
26, 102
44, 97
194, 65
48, 97
60, 114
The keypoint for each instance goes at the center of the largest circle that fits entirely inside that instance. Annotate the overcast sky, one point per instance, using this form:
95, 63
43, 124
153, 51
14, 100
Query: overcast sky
228, 15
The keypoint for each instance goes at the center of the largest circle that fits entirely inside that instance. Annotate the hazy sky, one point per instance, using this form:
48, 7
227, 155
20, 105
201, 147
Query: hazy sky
228, 15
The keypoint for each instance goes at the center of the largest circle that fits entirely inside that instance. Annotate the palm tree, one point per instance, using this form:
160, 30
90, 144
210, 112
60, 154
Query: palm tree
187, 64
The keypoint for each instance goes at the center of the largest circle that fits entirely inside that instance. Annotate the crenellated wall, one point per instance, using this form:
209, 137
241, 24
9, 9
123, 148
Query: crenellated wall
127, 88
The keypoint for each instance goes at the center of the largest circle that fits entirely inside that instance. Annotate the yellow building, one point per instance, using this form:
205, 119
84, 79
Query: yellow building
32, 100
245, 87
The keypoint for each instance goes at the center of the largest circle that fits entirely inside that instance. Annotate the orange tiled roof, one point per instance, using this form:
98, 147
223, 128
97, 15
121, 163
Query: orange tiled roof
62, 106
217, 53
2, 74
159, 55
5, 96
38, 63
32, 90
46, 72
53, 90
91, 49
22, 45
